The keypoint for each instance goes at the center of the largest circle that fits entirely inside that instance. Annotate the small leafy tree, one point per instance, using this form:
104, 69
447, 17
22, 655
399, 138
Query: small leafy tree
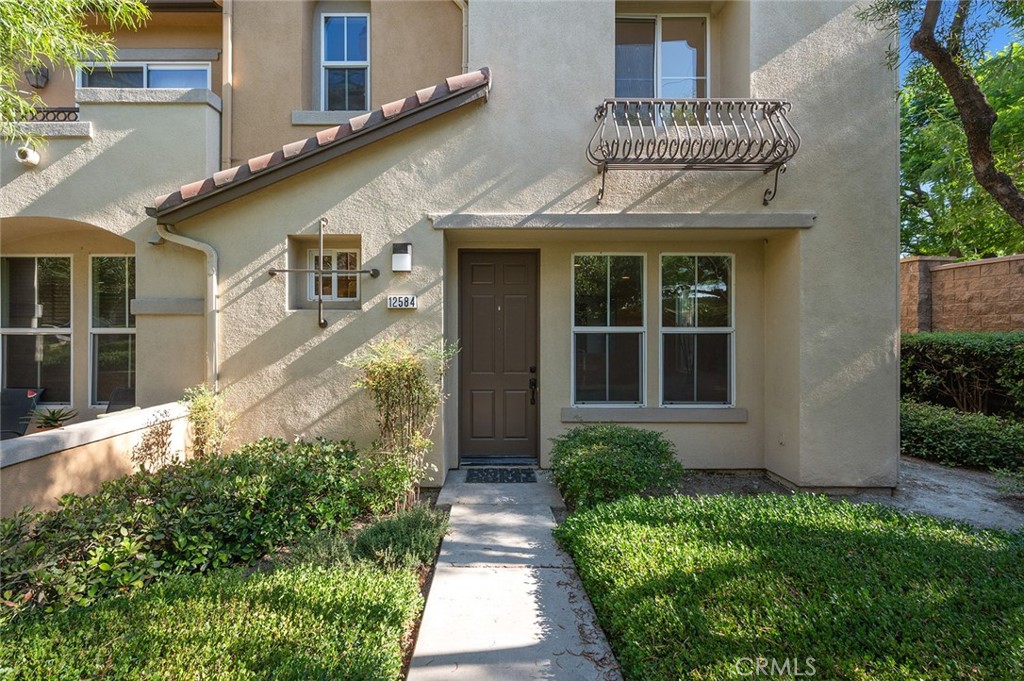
209, 419
54, 34
405, 384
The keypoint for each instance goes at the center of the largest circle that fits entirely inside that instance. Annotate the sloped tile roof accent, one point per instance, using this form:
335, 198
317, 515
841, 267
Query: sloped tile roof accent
303, 154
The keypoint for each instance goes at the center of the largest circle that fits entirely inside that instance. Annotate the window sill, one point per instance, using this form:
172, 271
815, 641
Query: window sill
654, 415
323, 117
118, 95
329, 306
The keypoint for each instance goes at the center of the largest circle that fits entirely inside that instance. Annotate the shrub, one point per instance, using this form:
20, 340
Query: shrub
209, 420
206, 514
593, 464
972, 371
299, 622
957, 438
409, 539
404, 383
686, 588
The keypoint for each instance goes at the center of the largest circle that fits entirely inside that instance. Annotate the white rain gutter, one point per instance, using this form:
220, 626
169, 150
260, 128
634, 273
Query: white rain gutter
461, 4
226, 83
212, 298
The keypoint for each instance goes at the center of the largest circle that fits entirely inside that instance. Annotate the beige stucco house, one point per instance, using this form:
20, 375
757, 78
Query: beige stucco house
734, 287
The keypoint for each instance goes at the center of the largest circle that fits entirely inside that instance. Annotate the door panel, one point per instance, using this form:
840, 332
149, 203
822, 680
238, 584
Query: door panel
498, 332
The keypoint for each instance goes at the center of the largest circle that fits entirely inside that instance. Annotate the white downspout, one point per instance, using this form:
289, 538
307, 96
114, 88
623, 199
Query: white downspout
212, 299
226, 83
461, 4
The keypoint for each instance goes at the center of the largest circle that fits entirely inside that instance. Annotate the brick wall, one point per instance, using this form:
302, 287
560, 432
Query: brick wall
982, 295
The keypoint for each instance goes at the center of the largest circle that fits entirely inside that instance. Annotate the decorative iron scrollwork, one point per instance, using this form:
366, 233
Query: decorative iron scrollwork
693, 134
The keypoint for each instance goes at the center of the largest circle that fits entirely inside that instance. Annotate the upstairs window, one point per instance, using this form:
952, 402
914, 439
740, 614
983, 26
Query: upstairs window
661, 56
155, 75
345, 62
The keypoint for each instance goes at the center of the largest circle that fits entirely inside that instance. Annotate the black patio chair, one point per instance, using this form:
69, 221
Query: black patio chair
121, 399
16, 406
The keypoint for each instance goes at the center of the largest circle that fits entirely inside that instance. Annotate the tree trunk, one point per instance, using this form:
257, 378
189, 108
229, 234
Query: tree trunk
976, 114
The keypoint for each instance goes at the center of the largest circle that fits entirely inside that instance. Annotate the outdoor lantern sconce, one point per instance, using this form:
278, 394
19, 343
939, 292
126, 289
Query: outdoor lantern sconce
401, 257
37, 76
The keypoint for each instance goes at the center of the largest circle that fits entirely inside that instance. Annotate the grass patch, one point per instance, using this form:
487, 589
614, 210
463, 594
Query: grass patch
341, 606
685, 587
302, 622
406, 540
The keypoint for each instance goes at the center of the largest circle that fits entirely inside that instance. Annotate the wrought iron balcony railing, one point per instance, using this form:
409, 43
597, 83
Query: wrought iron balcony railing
55, 114
693, 134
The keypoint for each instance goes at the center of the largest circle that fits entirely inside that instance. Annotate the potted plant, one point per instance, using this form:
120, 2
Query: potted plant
48, 419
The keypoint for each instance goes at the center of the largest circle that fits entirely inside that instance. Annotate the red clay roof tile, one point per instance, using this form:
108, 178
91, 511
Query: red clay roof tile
324, 138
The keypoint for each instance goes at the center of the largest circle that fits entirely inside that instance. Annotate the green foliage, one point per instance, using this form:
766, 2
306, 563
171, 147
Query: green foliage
208, 418
684, 587
599, 463
297, 622
957, 438
53, 418
980, 372
943, 208
206, 514
1010, 482
55, 34
404, 383
407, 540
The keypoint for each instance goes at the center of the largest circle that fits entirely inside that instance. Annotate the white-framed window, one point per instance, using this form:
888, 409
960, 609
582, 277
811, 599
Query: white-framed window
697, 330
35, 325
345, 62
664, 56
111, 326
151, 75
336, 286
608, 329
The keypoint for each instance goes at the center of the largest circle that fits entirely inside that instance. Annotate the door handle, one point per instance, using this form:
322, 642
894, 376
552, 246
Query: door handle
533, 391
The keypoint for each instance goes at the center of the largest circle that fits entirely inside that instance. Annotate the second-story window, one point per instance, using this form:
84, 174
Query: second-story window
661, 56
345, 62
154, 75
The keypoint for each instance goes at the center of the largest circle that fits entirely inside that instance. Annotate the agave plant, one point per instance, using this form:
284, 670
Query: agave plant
53, 418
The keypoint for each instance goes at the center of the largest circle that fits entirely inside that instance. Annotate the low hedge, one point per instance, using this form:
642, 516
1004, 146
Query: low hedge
599, 463
297, 622
700, 588
205, 514
957, 438
972, 371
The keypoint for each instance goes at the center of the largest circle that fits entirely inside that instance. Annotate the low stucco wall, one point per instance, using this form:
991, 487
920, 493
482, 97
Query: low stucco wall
36, 470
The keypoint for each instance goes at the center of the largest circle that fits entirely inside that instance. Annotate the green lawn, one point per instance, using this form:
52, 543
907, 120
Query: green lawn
699, 588
336, 607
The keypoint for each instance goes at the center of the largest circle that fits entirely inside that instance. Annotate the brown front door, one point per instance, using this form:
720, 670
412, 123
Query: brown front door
498, 362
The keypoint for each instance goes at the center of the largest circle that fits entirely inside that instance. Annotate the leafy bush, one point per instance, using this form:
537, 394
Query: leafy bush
406, 540
208, 513
957, 438
972, 371
688, 588
404, 383
209, 419
297, 622
594, 464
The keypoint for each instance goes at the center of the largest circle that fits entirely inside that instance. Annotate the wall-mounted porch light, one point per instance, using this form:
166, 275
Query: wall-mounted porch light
401, 257
37, 76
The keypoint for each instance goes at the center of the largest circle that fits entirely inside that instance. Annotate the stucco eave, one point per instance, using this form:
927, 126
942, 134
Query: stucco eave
796, 220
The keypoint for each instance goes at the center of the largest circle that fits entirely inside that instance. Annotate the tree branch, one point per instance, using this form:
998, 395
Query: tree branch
976, 114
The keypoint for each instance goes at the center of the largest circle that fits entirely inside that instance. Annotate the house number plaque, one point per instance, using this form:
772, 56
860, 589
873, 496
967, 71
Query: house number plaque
401, 302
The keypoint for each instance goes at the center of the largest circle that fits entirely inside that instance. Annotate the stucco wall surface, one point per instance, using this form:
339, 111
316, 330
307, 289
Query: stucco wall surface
40, 468
817, 367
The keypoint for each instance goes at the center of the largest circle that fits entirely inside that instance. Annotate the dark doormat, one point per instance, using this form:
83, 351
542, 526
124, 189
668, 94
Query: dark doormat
500, 475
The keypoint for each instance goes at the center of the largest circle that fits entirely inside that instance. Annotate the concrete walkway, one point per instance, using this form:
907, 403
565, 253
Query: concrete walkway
506, 602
